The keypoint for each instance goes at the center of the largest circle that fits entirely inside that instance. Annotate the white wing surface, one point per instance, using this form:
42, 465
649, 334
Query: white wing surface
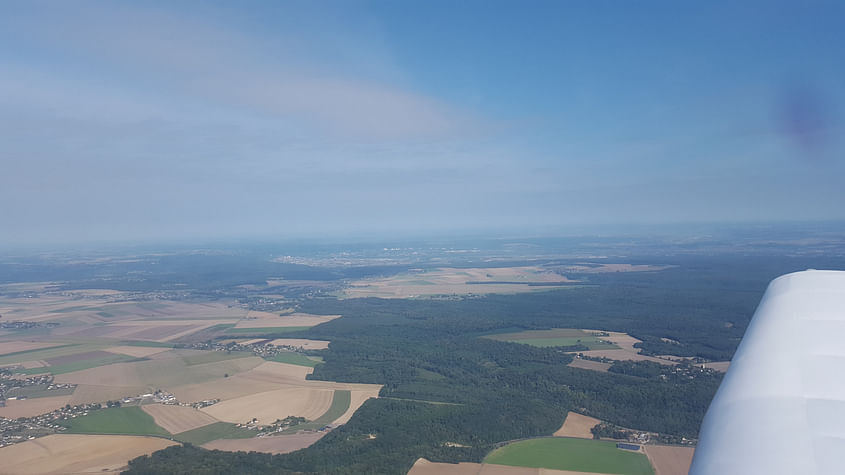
781, 407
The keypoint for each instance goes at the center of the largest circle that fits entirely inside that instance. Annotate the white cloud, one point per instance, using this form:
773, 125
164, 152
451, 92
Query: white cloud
160, 55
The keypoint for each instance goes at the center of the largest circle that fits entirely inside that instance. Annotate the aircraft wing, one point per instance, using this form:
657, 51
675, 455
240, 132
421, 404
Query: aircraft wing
781, 406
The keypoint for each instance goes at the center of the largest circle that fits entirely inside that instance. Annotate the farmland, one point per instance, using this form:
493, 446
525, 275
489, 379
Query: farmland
669, 460
625, 350
291, 357
98, 347
577, 425
271, 405
449, 394
33, 407
71, 453
214, 431
463, 281
558, 337
301, 343
118, 420
425, 467
176, 419
571, 454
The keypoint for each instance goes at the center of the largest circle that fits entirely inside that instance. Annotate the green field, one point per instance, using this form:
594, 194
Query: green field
80, 365
217, 430
292, 357
47, 353
580, 455
555, 337
117, 420
264, 330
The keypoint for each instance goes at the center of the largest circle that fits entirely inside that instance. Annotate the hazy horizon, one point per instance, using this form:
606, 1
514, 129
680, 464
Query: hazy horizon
124, 122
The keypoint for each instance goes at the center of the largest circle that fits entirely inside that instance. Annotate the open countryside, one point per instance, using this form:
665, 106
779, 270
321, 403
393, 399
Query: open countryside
80, 351
285, 365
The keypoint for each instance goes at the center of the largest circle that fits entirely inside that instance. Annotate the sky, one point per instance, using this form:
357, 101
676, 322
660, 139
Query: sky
188, 120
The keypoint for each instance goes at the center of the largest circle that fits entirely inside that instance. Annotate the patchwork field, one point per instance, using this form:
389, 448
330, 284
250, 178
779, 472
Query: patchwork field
571, 454
557, 337
176, 419
112, 348
625, 349
451, 281
45, 354
69, 453
91, 307
159, 373
577, 425
79, 361
7, 347
266, 376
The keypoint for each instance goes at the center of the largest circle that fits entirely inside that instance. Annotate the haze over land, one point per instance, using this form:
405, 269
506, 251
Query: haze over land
126, 121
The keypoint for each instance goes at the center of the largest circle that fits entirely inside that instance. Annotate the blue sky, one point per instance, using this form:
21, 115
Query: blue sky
145, 120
